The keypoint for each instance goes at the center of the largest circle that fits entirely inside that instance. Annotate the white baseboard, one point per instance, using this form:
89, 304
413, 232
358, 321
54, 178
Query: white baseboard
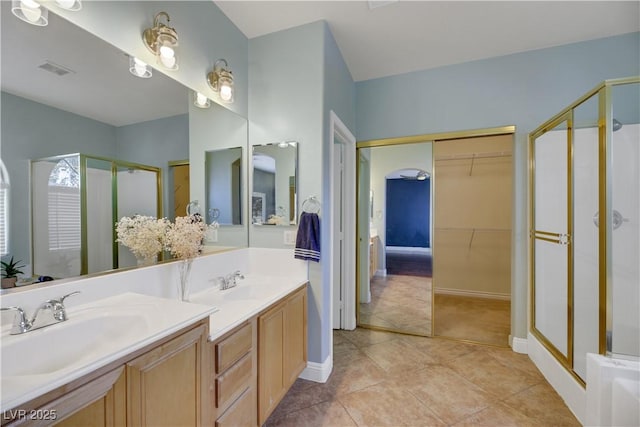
475, 294
318, 372
382, 273
405, 250
519, 345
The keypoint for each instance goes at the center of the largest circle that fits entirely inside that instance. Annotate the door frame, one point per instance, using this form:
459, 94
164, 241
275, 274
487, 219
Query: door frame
339, 133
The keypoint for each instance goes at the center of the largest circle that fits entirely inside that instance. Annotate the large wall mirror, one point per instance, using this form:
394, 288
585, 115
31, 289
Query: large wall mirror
274, 191
56, 102
223, 184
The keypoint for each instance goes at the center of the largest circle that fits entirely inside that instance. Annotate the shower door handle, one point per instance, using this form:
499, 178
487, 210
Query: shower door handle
547, 236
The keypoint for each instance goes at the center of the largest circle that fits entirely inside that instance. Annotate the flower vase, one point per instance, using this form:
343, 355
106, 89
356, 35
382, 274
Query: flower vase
184, 268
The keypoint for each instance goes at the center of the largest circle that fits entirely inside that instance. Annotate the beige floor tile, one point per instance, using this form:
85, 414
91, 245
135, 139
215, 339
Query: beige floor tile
451, 397
439, 349
327, 414
302, 394
364, 337
341, 344
387, 405
498, 415
397, 356
508, 357
358, 373
490, 375
542, 403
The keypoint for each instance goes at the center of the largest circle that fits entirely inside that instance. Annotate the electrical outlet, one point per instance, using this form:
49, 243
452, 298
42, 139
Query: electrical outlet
289, 237
211, 235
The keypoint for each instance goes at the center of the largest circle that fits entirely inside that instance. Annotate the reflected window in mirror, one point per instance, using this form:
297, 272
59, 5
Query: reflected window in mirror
223, 192
274, 192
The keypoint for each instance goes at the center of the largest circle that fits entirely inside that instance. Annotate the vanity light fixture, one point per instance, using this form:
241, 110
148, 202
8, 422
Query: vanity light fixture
30, 11
73, 5
285, 144
221, 80
200, 100
139, 68
162, 41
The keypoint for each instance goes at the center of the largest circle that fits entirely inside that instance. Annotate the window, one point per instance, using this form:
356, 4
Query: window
64, 205
4, 209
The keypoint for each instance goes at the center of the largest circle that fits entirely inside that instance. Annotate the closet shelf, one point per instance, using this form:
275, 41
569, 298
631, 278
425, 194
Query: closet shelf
492, 230
474, 156
474, 231
466, 156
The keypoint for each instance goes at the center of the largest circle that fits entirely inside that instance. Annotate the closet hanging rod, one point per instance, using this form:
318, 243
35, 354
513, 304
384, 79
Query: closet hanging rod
491, 155
491, 230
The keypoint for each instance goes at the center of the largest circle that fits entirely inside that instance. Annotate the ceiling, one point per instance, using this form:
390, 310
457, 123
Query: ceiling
407, 36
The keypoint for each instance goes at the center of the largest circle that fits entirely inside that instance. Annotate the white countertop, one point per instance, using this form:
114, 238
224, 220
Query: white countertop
94, 335
252, 295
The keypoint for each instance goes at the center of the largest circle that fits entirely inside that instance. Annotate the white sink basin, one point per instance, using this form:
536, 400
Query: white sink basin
94, 335
68, 343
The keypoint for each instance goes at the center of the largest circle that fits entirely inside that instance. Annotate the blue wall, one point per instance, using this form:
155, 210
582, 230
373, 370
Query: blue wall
31, 130
407, 210
155, 143
523, 89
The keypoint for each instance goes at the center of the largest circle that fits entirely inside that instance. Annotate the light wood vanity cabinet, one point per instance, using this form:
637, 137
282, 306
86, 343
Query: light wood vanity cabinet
159, 385
282, 350
233, 385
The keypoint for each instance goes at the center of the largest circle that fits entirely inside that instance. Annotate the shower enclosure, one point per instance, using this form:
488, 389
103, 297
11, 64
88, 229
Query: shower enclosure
76, 200
584, 222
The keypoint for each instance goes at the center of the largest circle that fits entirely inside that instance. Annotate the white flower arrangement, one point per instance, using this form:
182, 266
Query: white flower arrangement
143, 235
184, 237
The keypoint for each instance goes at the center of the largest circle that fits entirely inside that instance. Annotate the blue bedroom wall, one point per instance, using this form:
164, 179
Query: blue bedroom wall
408, 213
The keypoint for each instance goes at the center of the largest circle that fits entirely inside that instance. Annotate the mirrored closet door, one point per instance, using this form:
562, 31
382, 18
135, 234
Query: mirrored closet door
394, 229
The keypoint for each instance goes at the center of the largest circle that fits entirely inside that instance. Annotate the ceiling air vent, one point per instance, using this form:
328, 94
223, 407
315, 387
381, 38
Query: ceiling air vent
56, 69
380, 3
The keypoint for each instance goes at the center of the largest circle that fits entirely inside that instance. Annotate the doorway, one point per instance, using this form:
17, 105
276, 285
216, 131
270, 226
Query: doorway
179, 177
463, 179
395, 229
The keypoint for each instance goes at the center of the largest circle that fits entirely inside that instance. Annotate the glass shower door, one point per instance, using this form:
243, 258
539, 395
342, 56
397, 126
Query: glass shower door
551, 240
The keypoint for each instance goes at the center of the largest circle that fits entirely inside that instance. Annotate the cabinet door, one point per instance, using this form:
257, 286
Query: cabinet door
102, 400
163, 385
295, 343
271, 385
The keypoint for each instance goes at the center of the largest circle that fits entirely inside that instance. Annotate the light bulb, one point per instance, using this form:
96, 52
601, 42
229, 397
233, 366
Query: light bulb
140, 67
31, 10
226, 92
201, 100
66, 4
167, 57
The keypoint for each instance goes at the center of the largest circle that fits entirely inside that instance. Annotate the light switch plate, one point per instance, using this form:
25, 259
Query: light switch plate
289, 237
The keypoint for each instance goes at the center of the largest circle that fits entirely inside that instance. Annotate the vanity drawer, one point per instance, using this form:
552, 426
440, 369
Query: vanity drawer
233, 382
232, 348
241, 413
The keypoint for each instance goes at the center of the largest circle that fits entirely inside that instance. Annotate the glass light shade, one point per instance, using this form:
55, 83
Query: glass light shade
200, 100
30, 11
139, 68
226, 90
167, 54
73, 5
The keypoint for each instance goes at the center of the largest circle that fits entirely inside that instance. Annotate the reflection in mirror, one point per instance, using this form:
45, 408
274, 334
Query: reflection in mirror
98, 108
223, 178
273, 196
73, 202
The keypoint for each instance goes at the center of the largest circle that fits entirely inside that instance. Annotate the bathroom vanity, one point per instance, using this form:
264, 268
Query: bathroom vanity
226, 358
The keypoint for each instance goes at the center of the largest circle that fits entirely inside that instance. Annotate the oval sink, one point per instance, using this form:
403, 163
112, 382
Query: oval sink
62, 345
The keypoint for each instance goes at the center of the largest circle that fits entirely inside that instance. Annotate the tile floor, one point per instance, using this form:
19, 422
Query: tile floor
482, 320
399, 302
385, 379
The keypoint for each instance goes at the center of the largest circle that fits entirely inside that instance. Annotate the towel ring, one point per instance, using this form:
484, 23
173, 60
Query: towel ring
311, 205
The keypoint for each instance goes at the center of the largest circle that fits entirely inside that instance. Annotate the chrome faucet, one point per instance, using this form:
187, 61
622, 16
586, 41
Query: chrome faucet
53, 311
230, 280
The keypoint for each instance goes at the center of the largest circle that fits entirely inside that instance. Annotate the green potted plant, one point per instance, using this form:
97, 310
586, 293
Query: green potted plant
10, 271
